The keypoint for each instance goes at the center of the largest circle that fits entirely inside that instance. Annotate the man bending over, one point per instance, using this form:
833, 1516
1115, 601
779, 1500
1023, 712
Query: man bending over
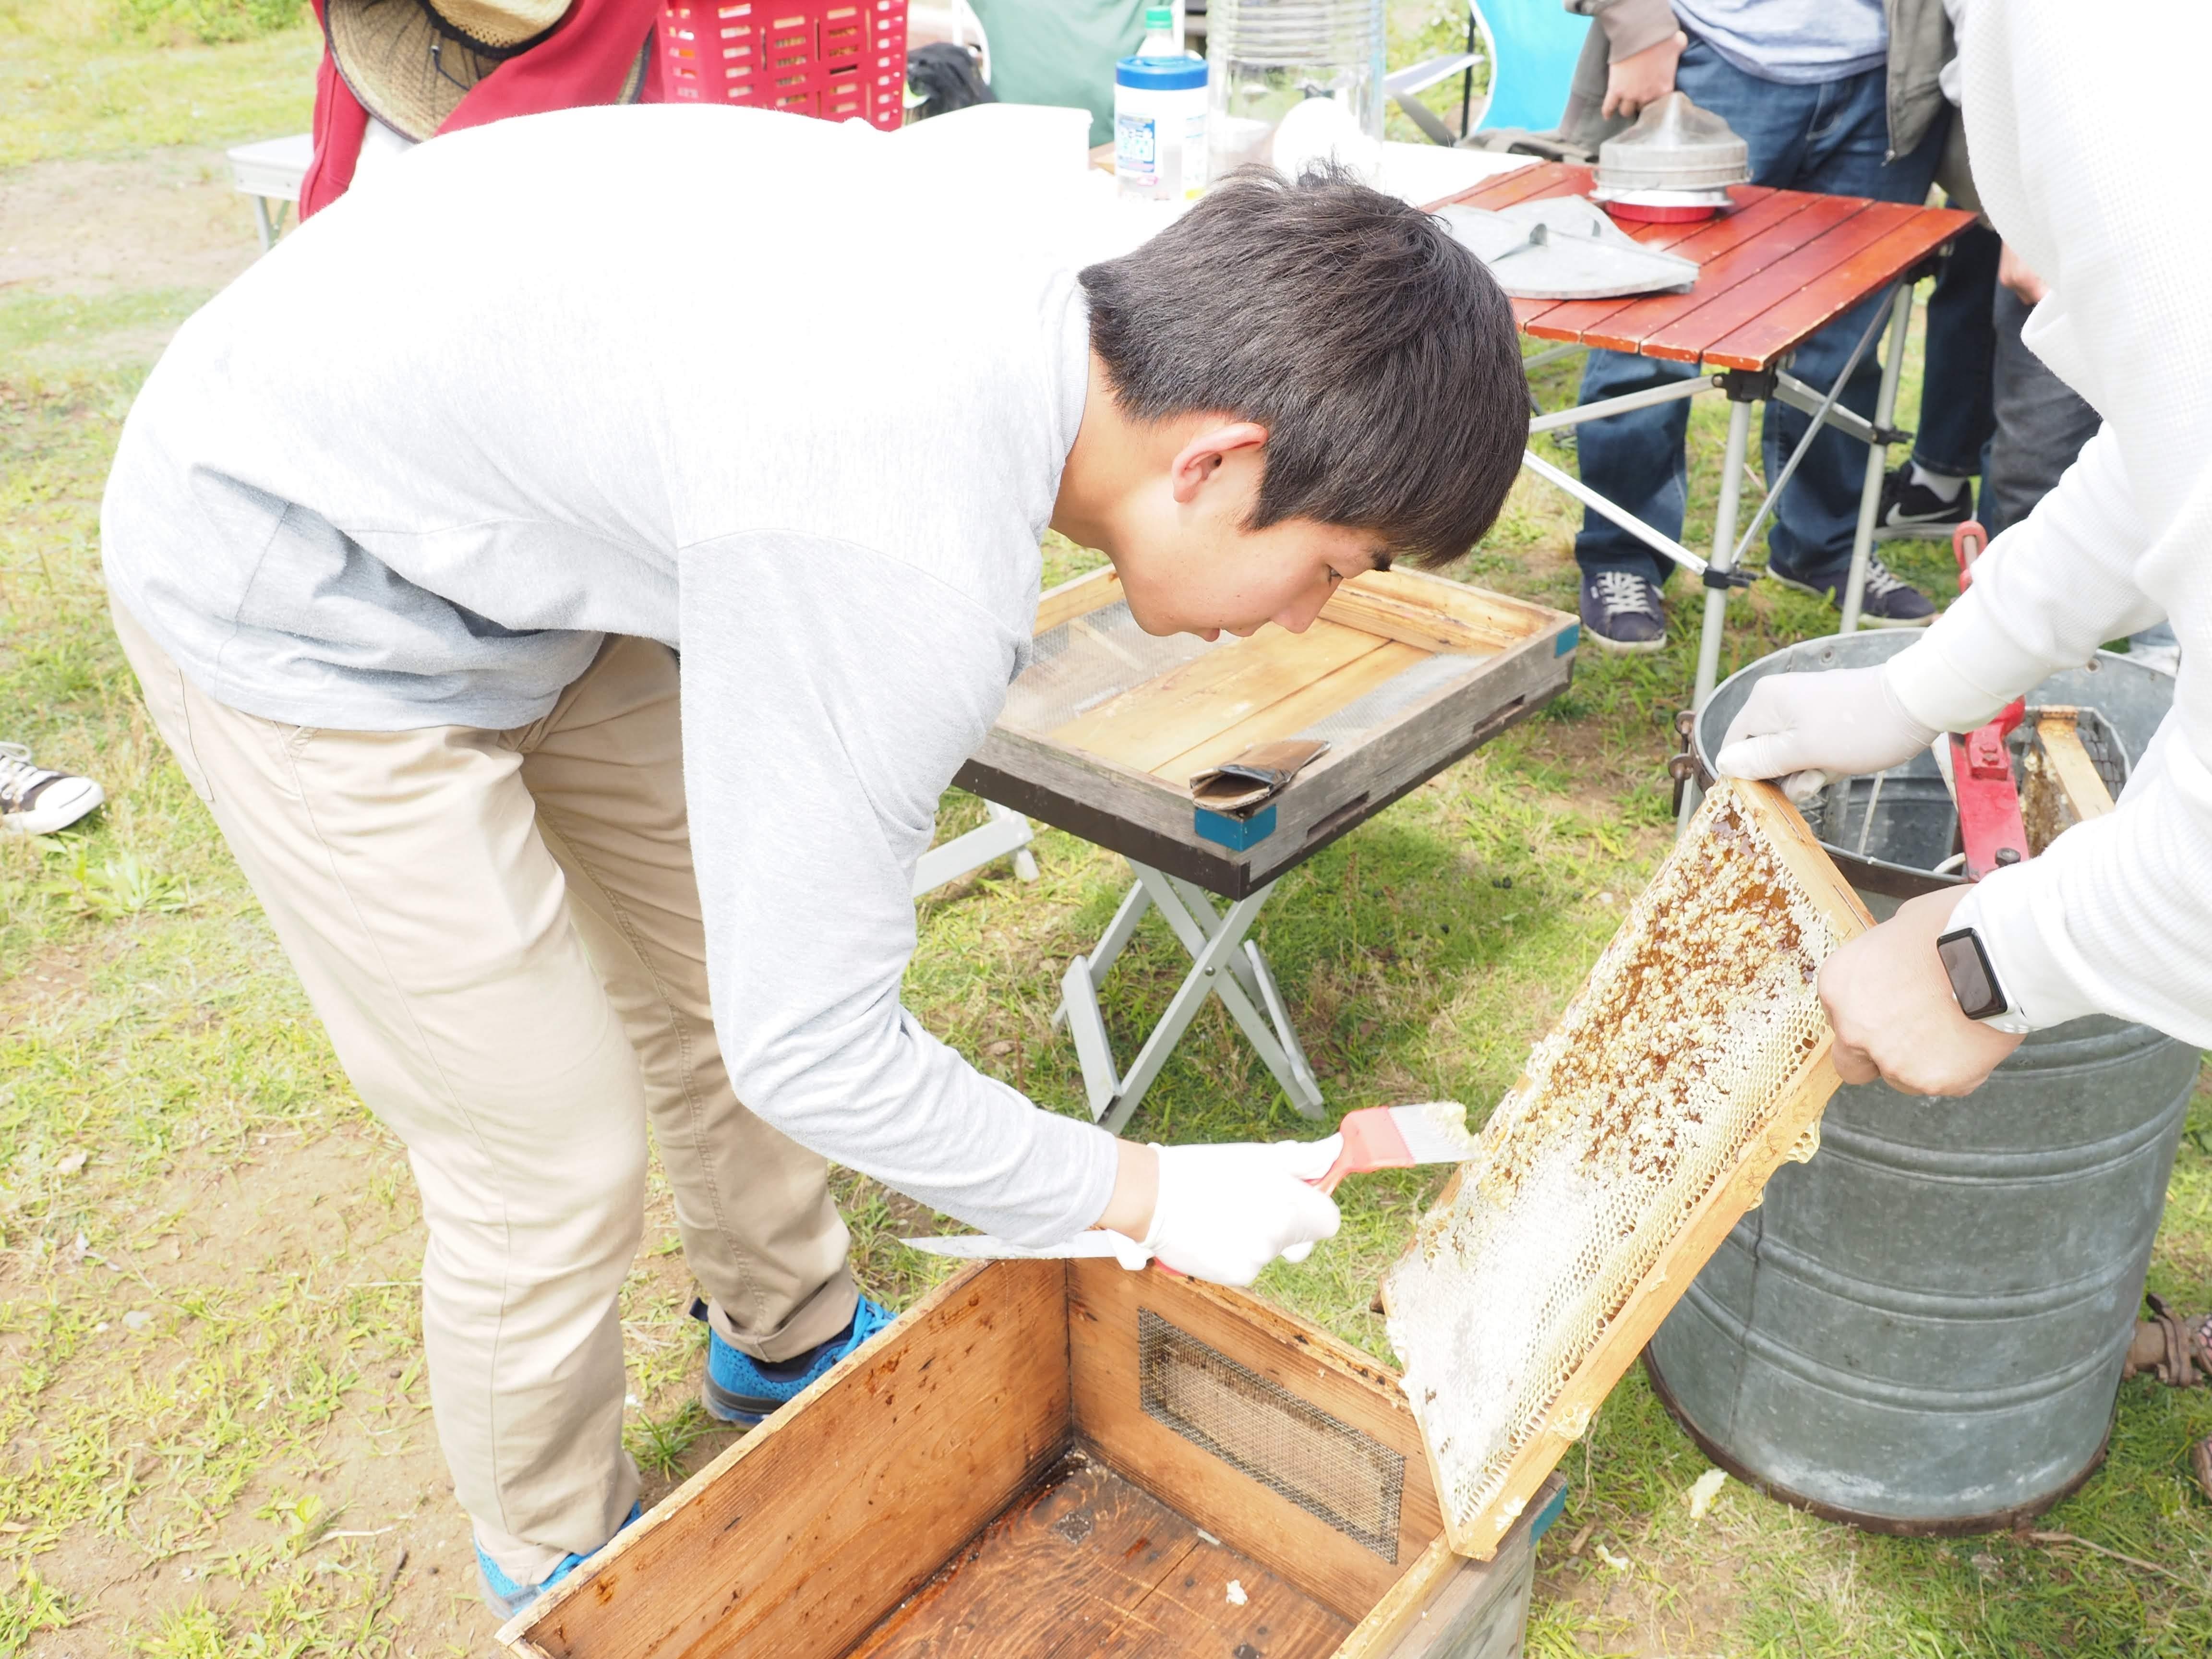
405, 532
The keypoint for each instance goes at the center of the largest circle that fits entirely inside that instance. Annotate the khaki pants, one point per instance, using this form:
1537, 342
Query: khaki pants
501, 931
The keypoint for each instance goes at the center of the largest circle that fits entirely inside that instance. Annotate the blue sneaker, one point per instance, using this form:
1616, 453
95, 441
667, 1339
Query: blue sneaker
739, 1388
507, 1598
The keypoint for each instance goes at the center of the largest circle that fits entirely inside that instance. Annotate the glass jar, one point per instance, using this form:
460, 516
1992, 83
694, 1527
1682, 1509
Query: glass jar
1267, 56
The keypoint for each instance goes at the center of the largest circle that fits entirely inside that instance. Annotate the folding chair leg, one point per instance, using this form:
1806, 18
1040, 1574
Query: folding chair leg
1245, 986
1300, 1085
1201, 913
1025, 864
1003, 833
1224, 963
1204, 979
1086, 1022
1100, 961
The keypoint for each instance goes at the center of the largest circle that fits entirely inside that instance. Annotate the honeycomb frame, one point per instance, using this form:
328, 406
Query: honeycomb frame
1694, 1061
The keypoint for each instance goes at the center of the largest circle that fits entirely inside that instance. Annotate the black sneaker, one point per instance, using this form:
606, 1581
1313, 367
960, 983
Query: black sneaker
1911, 510
1620, 611
1888, 602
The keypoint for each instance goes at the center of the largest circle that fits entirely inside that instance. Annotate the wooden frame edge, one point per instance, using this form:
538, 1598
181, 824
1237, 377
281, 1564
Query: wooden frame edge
1794, 844
1094, 590
514, 1634
1389, 1620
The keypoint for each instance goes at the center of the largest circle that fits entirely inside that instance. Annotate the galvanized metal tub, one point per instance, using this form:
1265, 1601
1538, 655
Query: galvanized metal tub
1922, 1330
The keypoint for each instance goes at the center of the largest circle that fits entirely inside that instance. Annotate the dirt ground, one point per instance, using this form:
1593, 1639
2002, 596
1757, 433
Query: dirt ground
169, 219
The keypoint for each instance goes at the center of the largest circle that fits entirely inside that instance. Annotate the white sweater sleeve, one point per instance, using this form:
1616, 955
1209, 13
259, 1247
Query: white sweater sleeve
2117, 916
2047, 594
830, 694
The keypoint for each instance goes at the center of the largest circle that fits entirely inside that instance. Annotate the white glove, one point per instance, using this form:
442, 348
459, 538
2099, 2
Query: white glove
1224, 1212
1808, 730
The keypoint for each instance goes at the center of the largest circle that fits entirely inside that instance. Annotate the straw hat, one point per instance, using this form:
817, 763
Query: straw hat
411, 61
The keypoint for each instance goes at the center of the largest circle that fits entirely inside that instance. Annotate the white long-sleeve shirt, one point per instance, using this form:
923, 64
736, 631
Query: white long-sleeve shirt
749, 384
2082, 140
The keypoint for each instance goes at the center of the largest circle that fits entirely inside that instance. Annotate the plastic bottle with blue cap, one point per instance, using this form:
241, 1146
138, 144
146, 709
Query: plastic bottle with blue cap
1159, 117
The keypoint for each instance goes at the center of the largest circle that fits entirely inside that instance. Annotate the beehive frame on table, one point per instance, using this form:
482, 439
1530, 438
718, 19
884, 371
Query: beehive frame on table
1403, 674
1691, 1064
1064, 1458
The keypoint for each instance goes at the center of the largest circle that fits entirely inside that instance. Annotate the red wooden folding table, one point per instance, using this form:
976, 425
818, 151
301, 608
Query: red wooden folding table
1772, 273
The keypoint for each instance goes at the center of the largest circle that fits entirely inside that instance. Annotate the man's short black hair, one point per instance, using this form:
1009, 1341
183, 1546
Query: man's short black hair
1379, 354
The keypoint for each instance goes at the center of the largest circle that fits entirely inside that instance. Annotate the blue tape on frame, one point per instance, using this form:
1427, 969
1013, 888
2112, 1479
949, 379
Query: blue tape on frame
1553, 1507
1570, 637
1235, 833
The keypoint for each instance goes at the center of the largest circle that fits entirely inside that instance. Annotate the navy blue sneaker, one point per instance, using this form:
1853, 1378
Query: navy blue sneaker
507, 1598
1888, 601
738, 1388
1620, 611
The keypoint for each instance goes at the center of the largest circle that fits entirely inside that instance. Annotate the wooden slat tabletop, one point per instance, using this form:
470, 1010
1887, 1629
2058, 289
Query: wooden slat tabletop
1773, 273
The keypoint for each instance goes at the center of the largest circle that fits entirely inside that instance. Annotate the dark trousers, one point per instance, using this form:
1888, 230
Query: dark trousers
1958, 409
2041, 423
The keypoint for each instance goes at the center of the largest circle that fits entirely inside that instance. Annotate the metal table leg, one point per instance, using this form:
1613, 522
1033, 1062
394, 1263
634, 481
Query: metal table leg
1884, 409
1224, 963
1715, 625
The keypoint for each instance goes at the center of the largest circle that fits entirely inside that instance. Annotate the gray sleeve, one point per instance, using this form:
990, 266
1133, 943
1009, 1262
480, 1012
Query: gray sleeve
1630, 26
830, 694
1621, 28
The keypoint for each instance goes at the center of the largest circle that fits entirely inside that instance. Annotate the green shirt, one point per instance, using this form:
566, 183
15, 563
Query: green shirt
1061, 52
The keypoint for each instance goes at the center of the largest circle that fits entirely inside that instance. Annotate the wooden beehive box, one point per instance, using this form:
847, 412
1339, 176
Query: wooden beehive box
1065, 1459
1402, 674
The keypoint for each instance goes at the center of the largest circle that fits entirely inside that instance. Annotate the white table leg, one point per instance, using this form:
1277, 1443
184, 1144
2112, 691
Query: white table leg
1224, 963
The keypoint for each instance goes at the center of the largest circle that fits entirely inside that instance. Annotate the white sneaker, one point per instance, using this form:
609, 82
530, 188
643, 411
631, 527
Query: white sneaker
37, 801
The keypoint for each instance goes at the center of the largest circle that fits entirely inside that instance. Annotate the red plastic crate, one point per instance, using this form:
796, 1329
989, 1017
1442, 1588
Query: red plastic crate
832, 58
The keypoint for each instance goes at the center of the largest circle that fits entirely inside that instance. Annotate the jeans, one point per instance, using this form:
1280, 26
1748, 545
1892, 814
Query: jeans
1958, 413
1830, 138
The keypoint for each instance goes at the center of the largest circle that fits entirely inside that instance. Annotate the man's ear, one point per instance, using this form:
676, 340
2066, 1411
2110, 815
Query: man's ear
1202, 458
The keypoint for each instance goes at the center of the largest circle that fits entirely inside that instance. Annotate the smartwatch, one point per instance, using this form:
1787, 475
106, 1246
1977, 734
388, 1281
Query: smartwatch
1974, 982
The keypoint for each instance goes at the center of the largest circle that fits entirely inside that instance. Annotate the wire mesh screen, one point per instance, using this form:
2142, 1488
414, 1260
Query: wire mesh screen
1080, 664
1288, 1444
1401, 691
1087, 661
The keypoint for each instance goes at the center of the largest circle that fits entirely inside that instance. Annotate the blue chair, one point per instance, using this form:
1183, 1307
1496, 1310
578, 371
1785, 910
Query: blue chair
1532, 47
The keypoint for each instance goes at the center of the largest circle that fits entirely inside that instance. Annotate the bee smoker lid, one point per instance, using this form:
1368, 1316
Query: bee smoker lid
1674, 146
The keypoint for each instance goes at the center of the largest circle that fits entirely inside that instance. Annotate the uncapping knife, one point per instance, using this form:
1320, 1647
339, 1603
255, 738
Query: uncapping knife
1375, 1138
984, 1247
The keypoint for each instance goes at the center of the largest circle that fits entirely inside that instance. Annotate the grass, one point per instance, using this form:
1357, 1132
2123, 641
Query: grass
87, 78
212, 1395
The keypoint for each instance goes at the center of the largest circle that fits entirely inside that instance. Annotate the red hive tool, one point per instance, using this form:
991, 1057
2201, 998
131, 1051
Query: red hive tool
1981, 765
